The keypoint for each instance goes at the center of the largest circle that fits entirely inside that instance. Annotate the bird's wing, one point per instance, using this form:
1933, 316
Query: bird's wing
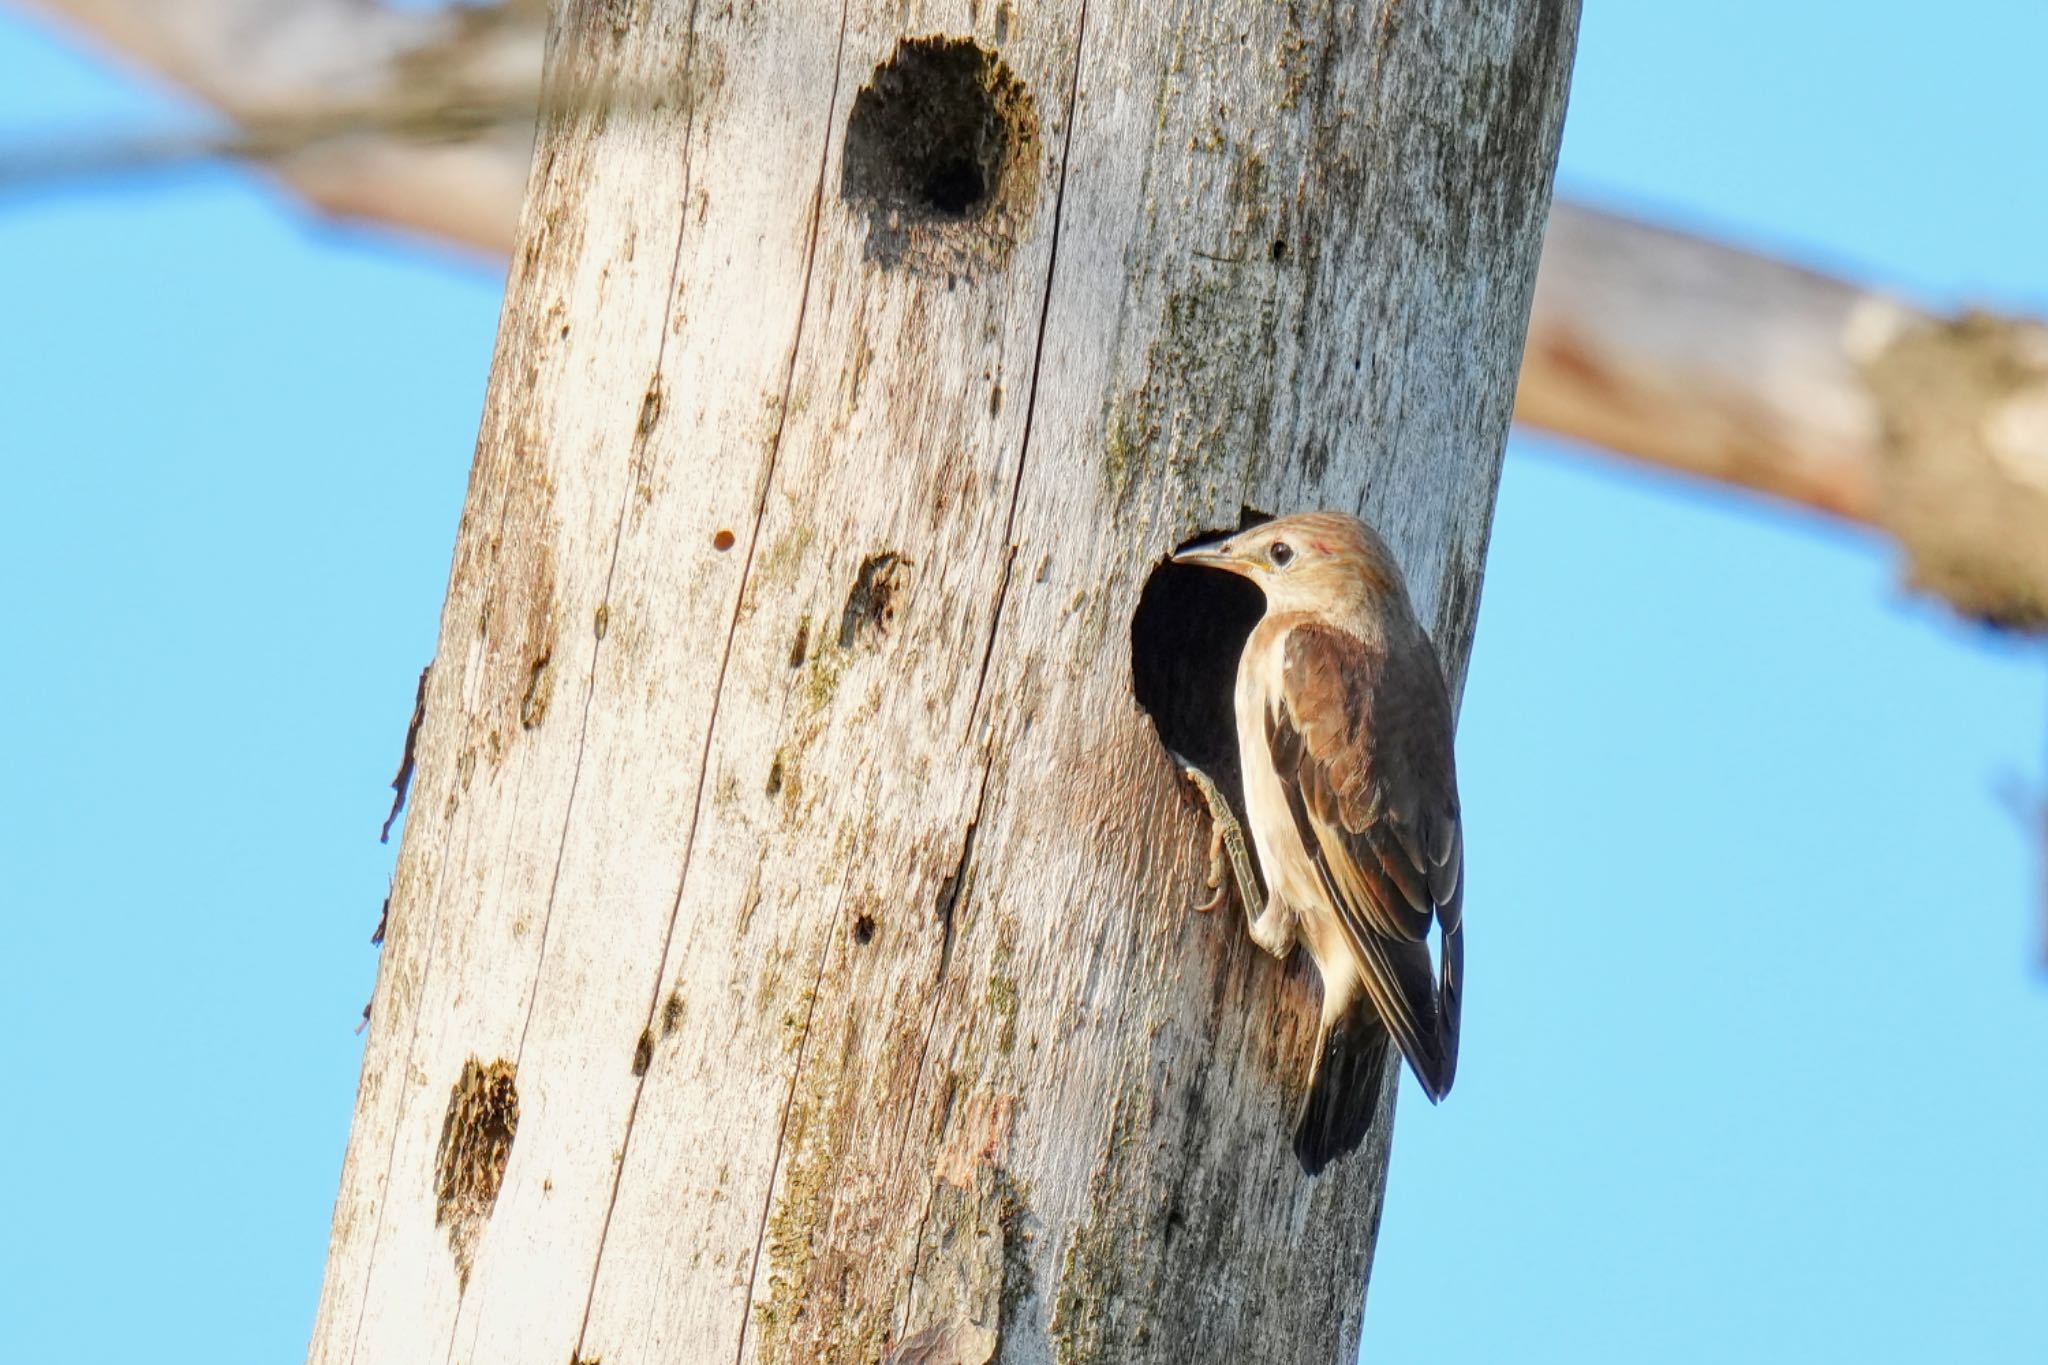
1361, 738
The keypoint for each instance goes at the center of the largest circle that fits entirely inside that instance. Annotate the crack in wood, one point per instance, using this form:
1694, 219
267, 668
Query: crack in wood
398, 1124
610, 573
1059, 203
724, 663
954, 888
988, 648
576, 772
457, 837
1052, 260
948, 903
924, 1221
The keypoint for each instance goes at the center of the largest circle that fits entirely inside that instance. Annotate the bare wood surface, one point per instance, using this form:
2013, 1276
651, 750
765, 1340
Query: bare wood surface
789, 955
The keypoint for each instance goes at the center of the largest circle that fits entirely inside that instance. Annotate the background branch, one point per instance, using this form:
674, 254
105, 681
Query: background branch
1662, 347
419, 120
1734, 367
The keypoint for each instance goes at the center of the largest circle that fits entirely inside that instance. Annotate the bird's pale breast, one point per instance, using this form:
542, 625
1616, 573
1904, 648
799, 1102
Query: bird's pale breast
1288, 868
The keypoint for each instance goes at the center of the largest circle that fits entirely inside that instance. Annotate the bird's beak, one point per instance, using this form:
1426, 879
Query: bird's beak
1214, 554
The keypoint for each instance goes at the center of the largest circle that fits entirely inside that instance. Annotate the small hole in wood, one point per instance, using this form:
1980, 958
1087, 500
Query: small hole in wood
871, 603
540, 689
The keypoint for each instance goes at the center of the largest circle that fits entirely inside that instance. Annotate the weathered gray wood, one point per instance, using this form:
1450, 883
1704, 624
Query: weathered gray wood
784, 823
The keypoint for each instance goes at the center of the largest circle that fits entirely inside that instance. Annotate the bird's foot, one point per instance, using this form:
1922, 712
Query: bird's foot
1229, 860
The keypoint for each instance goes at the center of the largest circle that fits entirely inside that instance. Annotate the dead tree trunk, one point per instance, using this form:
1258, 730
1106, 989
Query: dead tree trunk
790, 956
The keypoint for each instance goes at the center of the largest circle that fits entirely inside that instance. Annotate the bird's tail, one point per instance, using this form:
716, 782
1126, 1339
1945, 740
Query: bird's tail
1344, 1089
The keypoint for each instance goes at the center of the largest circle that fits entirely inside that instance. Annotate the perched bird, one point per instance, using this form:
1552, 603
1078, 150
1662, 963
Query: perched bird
1351, 792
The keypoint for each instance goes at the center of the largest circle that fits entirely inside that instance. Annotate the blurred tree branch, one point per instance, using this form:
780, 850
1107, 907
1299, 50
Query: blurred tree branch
1662, 347
417, 119
1745, 370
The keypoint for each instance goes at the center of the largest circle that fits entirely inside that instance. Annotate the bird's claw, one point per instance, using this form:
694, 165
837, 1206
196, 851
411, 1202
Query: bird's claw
1218, 880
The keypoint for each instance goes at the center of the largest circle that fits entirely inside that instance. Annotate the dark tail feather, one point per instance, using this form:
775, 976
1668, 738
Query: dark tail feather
1343, 1090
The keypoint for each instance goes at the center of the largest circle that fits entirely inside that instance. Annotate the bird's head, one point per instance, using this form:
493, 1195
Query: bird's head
1310, 560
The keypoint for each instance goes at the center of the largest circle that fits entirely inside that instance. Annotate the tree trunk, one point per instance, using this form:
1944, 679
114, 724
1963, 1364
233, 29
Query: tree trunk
790, 955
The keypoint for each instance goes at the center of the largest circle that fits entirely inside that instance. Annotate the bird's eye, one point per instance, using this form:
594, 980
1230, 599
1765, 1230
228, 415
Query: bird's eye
1281, 553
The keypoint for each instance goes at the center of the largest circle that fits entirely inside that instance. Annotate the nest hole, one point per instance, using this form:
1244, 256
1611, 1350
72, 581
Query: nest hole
941, 151
1187, 635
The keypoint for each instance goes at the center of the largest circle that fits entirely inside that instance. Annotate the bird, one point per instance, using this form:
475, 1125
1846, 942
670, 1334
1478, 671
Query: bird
1345, 741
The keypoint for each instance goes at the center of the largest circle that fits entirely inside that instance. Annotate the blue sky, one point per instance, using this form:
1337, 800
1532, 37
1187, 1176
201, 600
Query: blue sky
1755, 1054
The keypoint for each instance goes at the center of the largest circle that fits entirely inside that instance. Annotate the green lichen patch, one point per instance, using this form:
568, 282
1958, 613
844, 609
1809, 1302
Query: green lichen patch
820, 1305
821, 680
1002, 989
779, 563
1099, 1305
1202, 408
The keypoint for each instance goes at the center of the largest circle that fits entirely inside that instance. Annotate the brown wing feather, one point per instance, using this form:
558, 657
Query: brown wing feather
1361, 738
